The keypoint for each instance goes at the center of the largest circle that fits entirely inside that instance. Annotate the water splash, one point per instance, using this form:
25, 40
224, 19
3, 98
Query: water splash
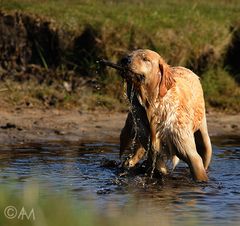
154, 160
137, 122
133, 112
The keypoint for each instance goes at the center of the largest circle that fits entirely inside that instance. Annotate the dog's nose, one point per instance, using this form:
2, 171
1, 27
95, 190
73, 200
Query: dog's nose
126, 60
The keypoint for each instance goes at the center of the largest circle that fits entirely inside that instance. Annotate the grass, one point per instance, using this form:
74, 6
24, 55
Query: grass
54, 209
171, 25
143, 13
32, 94
221, 90
179, 30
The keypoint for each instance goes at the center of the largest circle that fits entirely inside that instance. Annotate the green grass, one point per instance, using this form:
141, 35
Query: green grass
55, 209
175, 27
221, 90
179, 30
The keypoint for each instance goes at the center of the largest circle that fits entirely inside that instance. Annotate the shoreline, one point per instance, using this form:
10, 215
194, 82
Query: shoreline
32, 125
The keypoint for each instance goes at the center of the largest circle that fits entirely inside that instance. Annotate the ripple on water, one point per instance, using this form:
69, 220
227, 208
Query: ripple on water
90, 172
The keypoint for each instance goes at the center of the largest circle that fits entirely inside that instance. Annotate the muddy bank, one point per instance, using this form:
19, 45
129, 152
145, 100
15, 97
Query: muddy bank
37, 125
37, 48
26, 125
27, 39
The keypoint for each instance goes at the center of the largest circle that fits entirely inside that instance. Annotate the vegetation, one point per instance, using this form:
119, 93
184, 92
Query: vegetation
202, 35
54, 209
197, 34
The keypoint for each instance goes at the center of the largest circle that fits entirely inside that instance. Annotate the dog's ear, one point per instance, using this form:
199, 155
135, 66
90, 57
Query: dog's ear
167, 81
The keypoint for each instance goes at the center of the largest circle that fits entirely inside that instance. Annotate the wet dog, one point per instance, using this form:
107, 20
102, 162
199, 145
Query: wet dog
168, 114
136, 131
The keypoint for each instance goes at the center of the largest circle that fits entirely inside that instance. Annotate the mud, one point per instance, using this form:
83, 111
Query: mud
30, 41
27, 39
24, 125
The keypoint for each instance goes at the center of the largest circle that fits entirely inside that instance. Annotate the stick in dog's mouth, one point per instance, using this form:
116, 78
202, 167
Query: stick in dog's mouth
110, 64
116, 66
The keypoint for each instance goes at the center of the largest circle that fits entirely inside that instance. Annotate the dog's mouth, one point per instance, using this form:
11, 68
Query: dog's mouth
125, 72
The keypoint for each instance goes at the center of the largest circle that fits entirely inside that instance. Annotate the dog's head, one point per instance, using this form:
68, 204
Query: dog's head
146, 68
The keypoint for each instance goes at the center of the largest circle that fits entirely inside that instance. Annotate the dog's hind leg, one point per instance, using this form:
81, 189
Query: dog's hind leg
175, 161
187, 151
203, 144
172, 154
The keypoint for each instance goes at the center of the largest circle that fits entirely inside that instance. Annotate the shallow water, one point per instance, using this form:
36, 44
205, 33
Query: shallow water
89, 172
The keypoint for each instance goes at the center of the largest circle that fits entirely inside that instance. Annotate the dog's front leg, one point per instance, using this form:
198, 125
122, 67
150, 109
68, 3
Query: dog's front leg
156, 146
135, 158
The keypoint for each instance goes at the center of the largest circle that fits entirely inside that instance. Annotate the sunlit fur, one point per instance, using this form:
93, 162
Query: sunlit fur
174, 104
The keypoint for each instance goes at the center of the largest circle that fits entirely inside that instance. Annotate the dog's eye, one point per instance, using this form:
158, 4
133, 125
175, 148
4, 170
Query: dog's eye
144, 58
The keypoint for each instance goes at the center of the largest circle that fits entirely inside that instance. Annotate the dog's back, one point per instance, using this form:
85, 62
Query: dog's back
183, 105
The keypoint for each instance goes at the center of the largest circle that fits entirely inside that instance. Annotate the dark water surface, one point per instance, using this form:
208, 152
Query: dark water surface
88, 172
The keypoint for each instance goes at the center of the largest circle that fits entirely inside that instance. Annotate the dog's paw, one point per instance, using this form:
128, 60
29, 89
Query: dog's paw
129, 162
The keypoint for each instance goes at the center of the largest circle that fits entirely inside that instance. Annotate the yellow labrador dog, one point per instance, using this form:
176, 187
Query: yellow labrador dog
168, 111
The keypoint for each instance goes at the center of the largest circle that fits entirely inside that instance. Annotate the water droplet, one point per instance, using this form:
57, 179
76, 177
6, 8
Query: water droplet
135, 126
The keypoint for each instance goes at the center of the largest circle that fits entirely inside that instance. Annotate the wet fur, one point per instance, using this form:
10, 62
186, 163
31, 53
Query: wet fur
171, 100
136, 132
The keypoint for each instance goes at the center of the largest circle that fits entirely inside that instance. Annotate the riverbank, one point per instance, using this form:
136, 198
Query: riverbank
32, 125
49, 55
